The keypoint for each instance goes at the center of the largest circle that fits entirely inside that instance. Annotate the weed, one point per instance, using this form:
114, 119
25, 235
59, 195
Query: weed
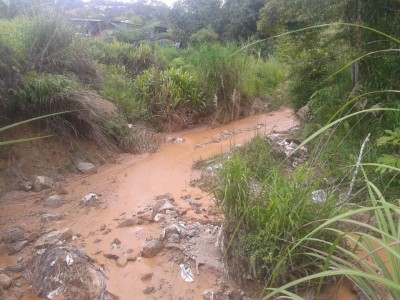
265, 212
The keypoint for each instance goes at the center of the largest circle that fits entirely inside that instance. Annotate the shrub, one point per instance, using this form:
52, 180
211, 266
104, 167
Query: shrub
52, 46
266, 213
135, 59
372, 263
233, 79
119, 88
174, 97
204, 36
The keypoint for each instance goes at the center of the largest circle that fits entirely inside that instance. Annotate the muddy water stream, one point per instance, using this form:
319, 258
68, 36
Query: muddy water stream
126, 189
135, 181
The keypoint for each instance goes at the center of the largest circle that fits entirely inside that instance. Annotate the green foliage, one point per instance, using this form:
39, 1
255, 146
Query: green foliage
51, 70
239, 21
119, 88
38, 89
233, 79
189, 16
24, 140
372, 264
51, 46
204, 36
390, 162
135, 59
266, 212
174, 96
10, 72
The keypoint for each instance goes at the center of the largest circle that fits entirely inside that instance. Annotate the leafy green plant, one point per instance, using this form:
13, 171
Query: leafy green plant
119, 89
173, 96
204, 36
392, 142
372, 264
52, 46
135, 59
266, 212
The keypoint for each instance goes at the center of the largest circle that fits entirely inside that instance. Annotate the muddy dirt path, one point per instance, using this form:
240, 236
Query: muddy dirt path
128, 191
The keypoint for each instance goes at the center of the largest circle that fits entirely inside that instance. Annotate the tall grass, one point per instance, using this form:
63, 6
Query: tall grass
56, 72
266, 212
372, 263
174, 97
134, 59
232, 79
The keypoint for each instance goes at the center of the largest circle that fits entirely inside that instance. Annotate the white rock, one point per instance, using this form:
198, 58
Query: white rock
159, 218
53, 201
86, 168
42, 183
53, 238
89, 198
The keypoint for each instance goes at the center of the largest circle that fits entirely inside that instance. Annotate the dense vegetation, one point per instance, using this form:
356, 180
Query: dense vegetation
337, 66
46, 67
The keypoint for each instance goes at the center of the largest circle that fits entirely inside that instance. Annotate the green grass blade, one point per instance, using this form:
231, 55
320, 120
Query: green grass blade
32, 120
23, 140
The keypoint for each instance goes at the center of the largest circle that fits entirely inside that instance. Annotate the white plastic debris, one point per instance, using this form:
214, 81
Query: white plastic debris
69, 260
179, 140
130, 126
209, 295
186, 273
53, 294
159, 218
319, 196
89, 198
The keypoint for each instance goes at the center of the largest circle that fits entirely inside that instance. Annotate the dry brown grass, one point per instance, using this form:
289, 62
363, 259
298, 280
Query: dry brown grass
90, 116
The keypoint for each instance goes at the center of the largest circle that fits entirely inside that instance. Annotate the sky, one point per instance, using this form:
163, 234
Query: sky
168, 2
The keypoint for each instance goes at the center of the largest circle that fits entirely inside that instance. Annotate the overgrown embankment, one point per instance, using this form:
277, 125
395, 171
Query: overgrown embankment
46, 67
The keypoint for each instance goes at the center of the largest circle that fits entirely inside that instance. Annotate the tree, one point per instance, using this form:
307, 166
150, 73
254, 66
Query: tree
371, 73
240, 18
189, 16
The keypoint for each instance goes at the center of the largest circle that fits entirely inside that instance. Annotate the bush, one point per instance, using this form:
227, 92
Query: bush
174, 97
135, 59
204, 36
233, 79
119, 88
52, 46
266, 213
10, 73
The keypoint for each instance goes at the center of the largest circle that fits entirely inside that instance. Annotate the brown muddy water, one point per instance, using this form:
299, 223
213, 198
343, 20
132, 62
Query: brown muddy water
127, 188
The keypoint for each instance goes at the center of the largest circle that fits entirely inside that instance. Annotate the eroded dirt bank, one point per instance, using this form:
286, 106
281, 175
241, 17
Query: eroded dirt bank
115, 229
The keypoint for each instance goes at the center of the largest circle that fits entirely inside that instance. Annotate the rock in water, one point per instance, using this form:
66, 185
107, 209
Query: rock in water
122, 261
52, 238
149, 290
5, 281
42, 183
13, 235
53, 201
152, 248
50, 217
18, 246
86, 168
